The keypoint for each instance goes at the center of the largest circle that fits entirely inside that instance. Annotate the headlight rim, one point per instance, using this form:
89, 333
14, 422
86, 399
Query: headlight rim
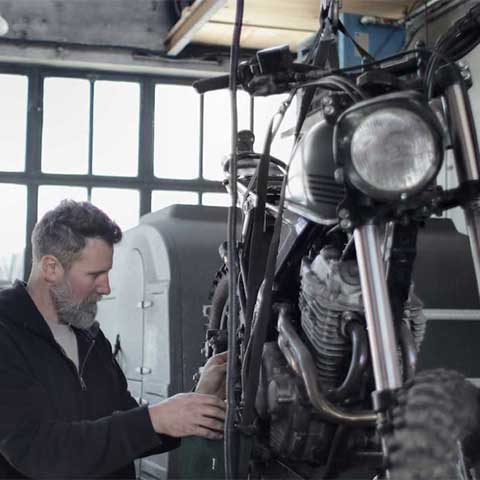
349, 121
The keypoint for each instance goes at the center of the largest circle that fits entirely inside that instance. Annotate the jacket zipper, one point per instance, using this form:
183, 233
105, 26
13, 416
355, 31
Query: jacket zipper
82, 367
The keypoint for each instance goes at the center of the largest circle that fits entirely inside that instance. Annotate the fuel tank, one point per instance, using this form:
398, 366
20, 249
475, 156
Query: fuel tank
311, 188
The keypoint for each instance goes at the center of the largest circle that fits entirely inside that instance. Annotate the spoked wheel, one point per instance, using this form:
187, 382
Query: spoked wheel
435, 422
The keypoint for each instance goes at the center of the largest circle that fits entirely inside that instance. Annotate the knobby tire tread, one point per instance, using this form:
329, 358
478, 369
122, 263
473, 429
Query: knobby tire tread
434, 411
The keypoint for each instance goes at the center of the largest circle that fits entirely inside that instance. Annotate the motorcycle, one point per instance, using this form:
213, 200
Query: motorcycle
315, 302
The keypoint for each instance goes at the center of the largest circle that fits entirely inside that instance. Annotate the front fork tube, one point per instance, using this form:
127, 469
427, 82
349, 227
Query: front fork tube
380, 326
378, 311
462, 131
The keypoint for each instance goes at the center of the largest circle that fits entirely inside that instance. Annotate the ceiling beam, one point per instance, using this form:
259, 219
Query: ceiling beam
191, 21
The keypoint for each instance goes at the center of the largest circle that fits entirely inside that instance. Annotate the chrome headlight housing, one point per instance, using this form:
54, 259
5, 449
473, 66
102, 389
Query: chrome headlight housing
389, 147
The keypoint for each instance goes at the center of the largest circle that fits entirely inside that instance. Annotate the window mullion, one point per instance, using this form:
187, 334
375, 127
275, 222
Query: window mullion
146, 141
33, 158
90, 127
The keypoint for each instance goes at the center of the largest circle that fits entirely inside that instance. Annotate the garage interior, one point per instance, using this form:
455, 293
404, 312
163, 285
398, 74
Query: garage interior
97, 105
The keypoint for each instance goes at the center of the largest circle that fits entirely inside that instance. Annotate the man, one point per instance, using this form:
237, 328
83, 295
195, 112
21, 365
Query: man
65, 411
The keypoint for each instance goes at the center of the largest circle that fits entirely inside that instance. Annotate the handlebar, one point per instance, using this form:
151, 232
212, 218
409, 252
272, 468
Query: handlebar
209, 84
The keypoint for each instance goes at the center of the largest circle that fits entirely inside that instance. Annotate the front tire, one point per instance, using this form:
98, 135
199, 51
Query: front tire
436, 415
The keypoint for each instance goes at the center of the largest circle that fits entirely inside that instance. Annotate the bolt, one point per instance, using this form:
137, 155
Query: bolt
346, 224
344, 213
329, 110
403, 196
338, 175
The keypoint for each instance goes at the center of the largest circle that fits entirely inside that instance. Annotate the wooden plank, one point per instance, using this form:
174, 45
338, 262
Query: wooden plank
288, 14
192, 20
220, 34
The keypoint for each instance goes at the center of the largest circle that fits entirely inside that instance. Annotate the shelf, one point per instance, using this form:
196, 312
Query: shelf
266, 23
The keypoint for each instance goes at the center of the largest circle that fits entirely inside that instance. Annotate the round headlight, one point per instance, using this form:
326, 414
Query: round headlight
394, 152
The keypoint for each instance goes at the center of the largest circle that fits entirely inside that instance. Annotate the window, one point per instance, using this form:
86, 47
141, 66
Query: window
66, 111
216, 199
93, 129
165, 198
13, 121
217, 143
115, 128
121, 205
13, 211
265, 108
176, 132
49, 196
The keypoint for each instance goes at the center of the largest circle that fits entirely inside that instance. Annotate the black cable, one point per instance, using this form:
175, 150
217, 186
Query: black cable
232, 256
411, 9
177, 8
336, 85
432, 17
426, 23
322, 74
254, 349
326, 84
430, 71
349, 84
459, 40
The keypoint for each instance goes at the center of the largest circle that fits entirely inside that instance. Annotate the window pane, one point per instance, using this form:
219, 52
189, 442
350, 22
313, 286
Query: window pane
216, 199
66, 107
176, 153
49, 196
13, 212
115, 128
13, 122
217, 129
265, 108
165, 198
121, 205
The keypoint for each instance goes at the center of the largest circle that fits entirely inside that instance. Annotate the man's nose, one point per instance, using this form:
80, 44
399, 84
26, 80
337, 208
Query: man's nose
103, 287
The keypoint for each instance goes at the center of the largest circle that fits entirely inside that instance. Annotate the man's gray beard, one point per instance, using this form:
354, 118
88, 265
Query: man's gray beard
80, 315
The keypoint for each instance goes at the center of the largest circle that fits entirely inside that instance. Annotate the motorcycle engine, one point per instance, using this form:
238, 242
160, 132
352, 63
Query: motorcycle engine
329, 288
330, 294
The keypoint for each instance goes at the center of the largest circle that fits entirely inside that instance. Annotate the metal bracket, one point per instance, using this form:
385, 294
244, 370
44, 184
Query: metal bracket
143, 370
144, 304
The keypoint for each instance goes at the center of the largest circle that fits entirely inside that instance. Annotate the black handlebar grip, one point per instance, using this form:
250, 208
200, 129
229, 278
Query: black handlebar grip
209, 84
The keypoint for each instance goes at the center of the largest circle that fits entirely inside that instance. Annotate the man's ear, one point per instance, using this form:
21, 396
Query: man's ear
51, 269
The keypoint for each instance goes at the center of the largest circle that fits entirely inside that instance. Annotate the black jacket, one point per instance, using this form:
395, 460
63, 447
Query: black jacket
55, 421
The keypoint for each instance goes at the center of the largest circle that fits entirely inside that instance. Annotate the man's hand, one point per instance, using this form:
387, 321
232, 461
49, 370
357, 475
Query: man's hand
212, 379
188, 414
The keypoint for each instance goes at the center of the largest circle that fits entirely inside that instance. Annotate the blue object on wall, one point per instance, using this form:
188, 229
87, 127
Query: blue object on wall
379, 40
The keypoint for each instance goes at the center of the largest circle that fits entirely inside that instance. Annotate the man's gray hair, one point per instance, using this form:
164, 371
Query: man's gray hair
63, 231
